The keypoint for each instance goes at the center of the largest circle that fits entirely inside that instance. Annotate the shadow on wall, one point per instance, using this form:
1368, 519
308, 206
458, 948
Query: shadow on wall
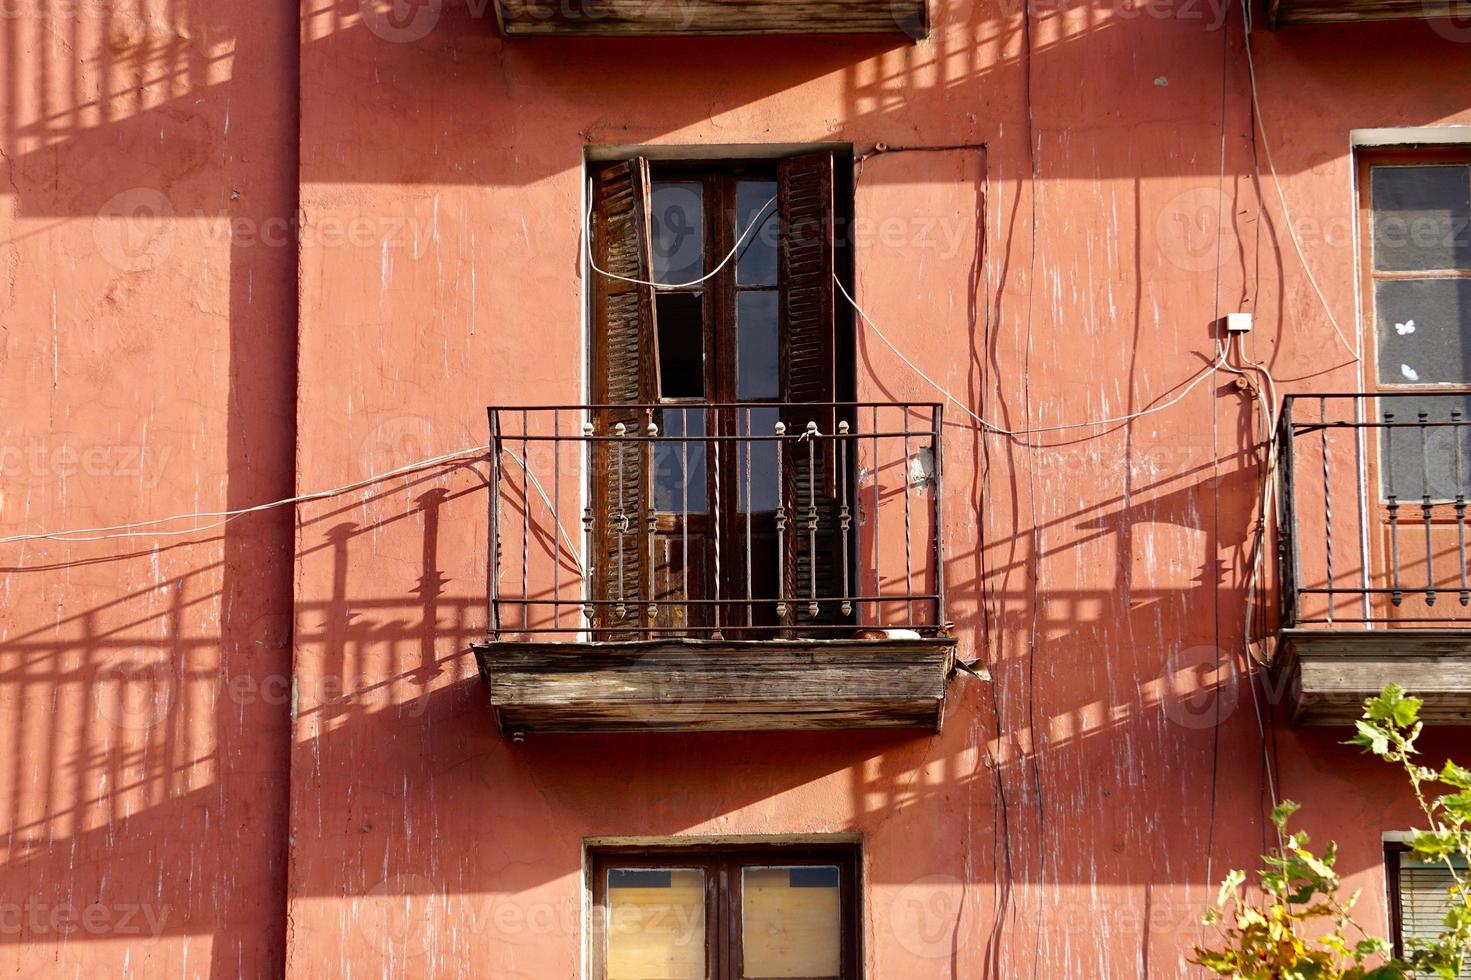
141, 105
117, 812
130, 729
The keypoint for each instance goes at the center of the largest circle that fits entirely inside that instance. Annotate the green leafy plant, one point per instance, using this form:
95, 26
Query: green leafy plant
1299, 928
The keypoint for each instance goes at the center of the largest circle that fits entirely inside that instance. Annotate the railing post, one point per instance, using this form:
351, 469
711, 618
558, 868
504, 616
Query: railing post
937, 414
493, 507
1287, 557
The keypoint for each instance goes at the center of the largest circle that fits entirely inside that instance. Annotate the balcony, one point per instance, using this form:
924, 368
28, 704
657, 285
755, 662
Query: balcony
1372, 537
690, 566
904, 19
1286, 13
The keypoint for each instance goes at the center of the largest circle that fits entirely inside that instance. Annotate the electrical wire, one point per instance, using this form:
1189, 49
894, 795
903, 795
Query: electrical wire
587, 237
546, 499
129, 530
1192, 384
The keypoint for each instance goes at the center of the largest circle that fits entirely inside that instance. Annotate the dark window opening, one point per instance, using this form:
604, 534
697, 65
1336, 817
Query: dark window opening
744, 342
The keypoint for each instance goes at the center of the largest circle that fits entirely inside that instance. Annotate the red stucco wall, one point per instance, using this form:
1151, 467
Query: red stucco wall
1073, 817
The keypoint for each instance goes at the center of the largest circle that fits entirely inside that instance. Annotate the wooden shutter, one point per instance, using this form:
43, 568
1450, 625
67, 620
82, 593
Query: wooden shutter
809, 375
624, 374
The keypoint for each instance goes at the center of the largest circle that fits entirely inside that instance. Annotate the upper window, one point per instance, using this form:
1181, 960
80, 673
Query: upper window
1417, 207
755, 914
1421, 216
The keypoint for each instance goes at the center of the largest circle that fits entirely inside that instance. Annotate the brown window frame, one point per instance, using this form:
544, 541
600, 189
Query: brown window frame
722, 866
627, 564
1367, 161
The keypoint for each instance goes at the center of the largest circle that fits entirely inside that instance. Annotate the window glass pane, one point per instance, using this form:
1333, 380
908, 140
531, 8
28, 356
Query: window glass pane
679, 462
1420, 217
758, 484
1423, 327
656, 924
679, 231
756, 261
791, 922
681, 344
1408, 466
757, 376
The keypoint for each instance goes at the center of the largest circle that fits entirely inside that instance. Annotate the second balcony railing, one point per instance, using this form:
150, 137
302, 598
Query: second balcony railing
1373, 509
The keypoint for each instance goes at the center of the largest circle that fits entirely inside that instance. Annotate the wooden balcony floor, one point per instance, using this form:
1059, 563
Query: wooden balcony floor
1329, 672
684, 685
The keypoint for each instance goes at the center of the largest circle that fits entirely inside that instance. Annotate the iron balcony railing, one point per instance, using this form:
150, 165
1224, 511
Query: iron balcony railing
1372, 509
715, 520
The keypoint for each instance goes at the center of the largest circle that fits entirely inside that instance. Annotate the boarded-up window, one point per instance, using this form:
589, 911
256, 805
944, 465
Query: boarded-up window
772, 913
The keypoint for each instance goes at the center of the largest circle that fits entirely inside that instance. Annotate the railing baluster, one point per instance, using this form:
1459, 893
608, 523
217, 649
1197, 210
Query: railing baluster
937, 451
684, 470
1327, 500
556, 520
525, 515
651, 576
1392, 504
1425, 509
904, 475
621, 521
1460, 506
781, 529
750, 508
493, 587
713, 454
812, 436
589, 583
878, 565
845, 516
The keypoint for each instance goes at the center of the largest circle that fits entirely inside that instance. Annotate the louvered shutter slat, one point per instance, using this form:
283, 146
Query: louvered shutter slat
809, 374
624, 369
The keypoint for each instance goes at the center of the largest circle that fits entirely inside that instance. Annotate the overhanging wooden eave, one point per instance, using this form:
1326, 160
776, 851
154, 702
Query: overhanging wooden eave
1289, 13
1328, 673
705, 18
679, 685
